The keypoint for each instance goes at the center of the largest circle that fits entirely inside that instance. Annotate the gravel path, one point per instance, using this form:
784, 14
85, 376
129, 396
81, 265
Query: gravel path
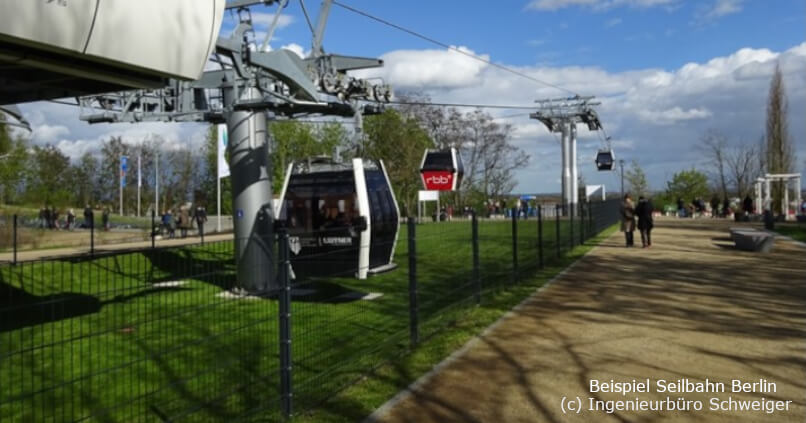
691, 307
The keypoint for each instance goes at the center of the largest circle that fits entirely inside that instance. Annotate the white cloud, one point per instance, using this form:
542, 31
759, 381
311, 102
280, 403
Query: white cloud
414, 69
725, 7
673, 116
48, 134
613, 22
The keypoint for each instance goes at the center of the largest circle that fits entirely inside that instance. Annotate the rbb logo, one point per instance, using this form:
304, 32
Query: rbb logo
438, 181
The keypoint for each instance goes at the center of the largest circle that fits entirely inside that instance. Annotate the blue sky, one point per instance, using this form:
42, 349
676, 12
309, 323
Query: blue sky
666, 71
615, 37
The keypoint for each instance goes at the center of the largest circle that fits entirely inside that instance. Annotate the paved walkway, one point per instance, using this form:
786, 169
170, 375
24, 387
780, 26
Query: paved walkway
61, 252
691, 308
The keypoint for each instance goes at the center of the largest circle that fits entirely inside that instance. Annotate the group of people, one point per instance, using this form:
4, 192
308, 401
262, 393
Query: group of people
183, 220
49, 218
642, 212
698, 207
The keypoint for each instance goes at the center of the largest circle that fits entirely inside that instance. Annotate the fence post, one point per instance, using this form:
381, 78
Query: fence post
414, 333
514, 245
153, 229
286, 388
92, 232
557, 228
571, 227
540, 235
476, 269
14, 241
582, 223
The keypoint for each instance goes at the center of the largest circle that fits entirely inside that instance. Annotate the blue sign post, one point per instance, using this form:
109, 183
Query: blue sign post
124, 166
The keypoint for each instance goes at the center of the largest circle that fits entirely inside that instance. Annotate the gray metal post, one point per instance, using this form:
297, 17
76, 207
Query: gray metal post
153, 228
476, 267
251, 195
540, 235
286, 364
414, 334
514, 245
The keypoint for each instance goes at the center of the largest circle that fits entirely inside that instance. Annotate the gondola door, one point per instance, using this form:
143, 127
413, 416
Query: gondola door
385, 218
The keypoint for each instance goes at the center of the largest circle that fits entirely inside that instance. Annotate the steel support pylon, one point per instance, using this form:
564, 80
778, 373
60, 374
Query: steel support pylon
253, 215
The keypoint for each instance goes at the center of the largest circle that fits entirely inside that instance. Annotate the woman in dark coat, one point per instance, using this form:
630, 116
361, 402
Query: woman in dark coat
644, 212
628, 219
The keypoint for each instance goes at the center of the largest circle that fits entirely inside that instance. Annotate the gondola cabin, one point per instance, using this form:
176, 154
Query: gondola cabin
342, 218
605, 160
442, 170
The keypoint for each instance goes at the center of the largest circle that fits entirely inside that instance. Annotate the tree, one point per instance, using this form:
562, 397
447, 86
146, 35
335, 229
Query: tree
48, 177
715, 147
489, 157
400, 142
13, 169
779, 152
84, 176
636, 180
743, 166
688, 185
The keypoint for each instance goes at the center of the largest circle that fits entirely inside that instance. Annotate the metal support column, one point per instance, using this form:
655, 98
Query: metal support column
514, 245
253, 217
566, 171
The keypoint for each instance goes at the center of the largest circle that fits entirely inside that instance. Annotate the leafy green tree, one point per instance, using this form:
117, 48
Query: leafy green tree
400, 142
49, 177
13, 165
688, 185
84, 177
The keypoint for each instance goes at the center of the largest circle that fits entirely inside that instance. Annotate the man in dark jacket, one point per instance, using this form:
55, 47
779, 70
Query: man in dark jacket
200, 214
644, 212
748, 205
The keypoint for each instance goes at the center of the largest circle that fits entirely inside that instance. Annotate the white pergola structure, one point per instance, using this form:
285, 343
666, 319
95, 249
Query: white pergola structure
764, 190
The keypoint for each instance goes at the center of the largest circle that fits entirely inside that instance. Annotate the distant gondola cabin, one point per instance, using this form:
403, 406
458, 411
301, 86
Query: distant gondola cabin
442, 170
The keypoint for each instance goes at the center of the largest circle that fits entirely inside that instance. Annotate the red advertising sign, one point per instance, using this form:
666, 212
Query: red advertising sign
438, 180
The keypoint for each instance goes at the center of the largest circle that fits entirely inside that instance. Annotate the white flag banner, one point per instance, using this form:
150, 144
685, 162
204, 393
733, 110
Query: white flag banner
223, 140
139, 176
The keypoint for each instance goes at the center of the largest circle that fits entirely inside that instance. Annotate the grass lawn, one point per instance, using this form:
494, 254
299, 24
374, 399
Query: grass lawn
794, 230
146, 336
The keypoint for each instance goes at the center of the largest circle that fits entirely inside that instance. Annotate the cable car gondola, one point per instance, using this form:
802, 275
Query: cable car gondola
442, 170
605, 159
342, 218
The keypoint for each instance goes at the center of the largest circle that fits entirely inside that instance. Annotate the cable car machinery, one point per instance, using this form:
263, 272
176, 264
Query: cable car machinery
249, 86
562, 115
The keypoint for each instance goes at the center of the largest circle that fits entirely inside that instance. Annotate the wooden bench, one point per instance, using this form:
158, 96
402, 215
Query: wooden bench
749, 239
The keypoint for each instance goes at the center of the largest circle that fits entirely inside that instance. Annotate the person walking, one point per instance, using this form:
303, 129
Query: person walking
71, 219
105, 218
628, 219
184, 220
88, 223
644, 212
748, 205
200, 214
714, 206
